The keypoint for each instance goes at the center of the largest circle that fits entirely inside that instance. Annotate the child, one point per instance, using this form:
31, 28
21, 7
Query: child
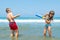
12, 23
48, 18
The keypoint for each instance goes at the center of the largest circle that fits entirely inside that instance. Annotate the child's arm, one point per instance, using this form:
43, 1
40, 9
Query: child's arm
44, 17
14, 16
48, 21
17, 15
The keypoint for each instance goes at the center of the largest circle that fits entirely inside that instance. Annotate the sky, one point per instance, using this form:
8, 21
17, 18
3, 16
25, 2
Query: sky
29, 8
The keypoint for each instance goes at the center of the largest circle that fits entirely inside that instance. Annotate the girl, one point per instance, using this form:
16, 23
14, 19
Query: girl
48, 18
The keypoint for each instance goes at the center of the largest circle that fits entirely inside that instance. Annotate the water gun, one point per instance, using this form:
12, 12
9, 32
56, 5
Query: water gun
40, 16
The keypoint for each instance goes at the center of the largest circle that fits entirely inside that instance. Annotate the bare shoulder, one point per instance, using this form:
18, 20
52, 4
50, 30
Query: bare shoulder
10, 13
46, 15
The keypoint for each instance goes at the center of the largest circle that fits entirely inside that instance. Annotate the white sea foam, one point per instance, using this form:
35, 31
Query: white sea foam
28, 20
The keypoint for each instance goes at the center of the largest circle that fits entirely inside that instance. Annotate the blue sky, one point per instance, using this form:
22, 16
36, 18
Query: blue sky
28, 8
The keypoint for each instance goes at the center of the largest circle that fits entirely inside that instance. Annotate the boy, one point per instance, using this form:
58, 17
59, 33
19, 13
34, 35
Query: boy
12, 23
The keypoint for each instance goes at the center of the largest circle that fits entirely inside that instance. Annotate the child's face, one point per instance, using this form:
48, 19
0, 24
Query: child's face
51, 15
8, 10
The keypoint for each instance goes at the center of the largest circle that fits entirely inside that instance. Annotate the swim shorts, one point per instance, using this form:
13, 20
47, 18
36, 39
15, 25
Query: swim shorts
13, 26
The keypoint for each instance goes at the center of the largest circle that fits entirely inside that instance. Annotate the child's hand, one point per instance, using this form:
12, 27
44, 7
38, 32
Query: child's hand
18, 15
43, 17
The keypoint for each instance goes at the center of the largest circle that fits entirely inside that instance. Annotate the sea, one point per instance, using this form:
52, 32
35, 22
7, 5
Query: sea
30, 29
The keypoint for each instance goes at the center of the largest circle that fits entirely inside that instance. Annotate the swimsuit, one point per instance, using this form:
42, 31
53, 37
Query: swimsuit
47, 25
13, 26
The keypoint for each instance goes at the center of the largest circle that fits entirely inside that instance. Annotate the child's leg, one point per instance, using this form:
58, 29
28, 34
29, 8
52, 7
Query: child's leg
17, 33
12, 33
45, 30
12, 38
49, 31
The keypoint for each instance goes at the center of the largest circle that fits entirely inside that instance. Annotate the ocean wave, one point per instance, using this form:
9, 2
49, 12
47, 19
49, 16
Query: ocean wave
28, 20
